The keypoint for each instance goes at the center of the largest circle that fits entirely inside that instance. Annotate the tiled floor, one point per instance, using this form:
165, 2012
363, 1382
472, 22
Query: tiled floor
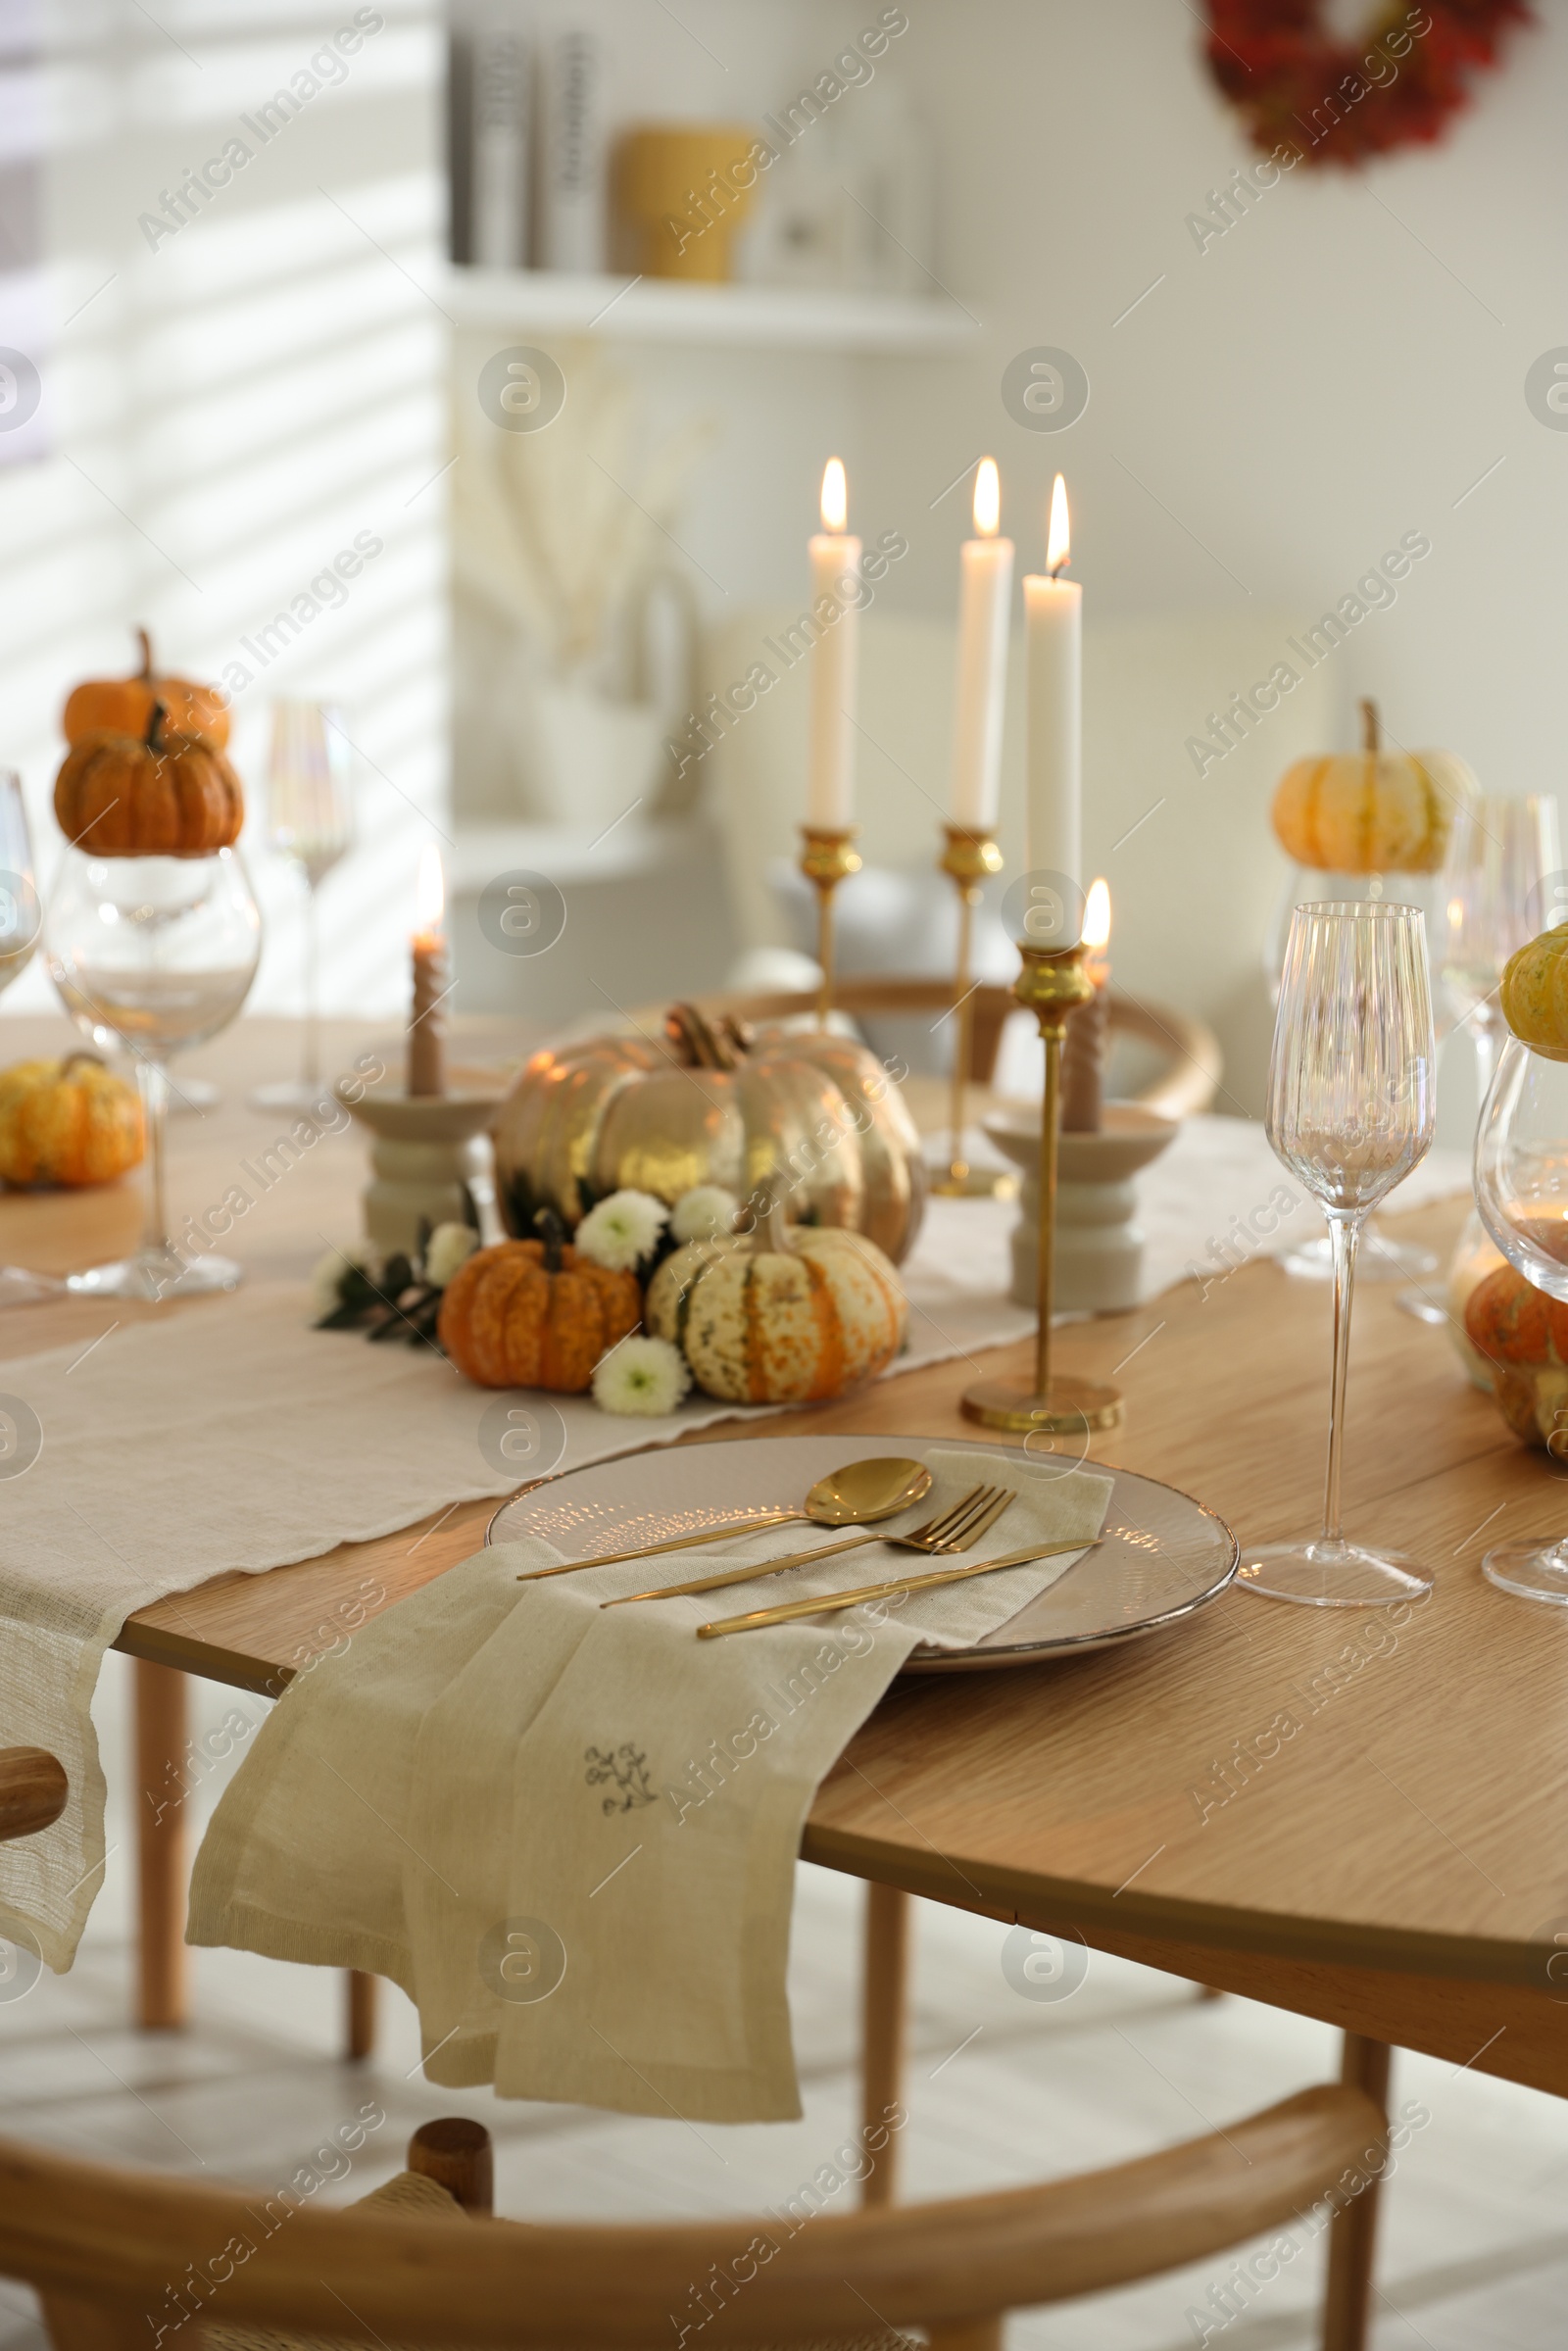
1001, 2089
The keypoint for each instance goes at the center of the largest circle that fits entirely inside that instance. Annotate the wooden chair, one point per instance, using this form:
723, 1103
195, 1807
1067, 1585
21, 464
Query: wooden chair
121, 2259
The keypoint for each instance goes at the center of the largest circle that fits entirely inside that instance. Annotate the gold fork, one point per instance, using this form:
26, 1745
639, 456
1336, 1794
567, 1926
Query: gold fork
952, 1530
788, 1611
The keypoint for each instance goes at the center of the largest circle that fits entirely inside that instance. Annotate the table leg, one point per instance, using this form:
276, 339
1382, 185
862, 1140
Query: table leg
161, 1757
885, 1998
1352, 2234
359, 2007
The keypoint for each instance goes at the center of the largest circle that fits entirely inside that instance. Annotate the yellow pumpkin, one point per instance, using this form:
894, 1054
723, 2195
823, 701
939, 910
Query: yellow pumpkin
1533, 994
794, 1316
68, 1122
714, 1104
1371, 811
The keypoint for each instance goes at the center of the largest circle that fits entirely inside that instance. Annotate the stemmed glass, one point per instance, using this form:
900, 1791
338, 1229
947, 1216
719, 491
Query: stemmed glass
309, 820
19, 889
153, 954
1350, 1111
1502, 866
1390, 1261
20, 923
1521, 1175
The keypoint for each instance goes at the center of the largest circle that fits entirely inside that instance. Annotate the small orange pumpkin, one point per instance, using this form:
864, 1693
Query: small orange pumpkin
1522, 1334
535, 1314
160, 795
68, 1122
123, 705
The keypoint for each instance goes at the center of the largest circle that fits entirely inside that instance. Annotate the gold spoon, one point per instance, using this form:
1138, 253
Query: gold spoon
856, 1496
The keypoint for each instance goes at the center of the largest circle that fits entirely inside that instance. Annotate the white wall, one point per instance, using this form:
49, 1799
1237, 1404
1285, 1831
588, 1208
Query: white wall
228, 406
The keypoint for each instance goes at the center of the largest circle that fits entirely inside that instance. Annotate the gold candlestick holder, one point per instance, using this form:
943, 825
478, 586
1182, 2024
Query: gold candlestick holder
970, 857
1051, 985
829, 856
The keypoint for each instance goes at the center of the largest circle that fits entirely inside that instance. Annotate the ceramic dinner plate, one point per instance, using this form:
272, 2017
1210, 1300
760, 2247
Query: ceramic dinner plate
1162, 1556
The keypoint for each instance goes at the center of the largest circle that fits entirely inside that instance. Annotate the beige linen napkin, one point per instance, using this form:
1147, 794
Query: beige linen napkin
571, 1833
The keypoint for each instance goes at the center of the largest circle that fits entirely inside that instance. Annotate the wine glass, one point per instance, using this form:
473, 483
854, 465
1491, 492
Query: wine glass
1521, 1176
19, 912
310, 821
153, 954
1502, 858
1388, 1261
1351, 1112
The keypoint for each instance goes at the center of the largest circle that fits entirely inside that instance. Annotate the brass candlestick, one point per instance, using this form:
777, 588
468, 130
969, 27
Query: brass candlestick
828, 858
1051, 983
970, 858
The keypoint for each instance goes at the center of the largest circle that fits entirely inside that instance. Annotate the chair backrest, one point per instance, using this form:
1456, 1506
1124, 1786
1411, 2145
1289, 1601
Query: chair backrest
123, 2258
1188, 1083
34, 1789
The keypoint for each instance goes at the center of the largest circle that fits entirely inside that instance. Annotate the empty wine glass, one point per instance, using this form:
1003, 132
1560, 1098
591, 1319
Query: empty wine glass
1521, 1177
1351, 1112
19, 912
153, 954
310, 821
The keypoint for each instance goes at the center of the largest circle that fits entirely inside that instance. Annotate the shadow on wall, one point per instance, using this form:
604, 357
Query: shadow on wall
247, 387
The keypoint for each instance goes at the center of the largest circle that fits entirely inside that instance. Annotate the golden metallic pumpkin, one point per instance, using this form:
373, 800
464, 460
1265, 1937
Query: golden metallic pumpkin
815, 1117
1371, 811
1533, 994
795, 1316
68, 1122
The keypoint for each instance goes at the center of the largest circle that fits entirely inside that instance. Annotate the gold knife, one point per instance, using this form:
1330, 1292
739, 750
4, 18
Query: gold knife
788, 1611
738, 1527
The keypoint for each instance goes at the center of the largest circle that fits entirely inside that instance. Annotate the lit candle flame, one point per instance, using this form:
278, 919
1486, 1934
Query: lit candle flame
430, 894
835, 496
1096, 914
987, 497
1059, 538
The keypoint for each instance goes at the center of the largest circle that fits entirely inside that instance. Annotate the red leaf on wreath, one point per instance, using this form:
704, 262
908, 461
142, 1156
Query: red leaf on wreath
1334, 101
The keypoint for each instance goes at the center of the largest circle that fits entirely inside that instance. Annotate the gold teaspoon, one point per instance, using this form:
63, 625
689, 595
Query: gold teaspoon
856, 1496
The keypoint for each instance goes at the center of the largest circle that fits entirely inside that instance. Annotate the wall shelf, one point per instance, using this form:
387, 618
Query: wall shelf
740, 317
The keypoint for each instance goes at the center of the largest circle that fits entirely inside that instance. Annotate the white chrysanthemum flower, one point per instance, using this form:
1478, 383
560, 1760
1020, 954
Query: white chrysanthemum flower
621, 1231
449, 1247
647, 1375
703, 1213
326, 1276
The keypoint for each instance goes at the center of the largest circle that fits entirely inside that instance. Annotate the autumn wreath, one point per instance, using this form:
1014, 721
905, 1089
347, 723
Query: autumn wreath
1334, 101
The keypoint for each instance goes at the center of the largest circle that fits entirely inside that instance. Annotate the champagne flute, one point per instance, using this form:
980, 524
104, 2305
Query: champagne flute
1388, 1260
1351, 1112
19, 914
153, 954
1521, 1175
310, 821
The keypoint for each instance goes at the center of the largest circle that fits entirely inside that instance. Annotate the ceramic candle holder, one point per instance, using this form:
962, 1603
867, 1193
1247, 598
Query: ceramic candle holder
1099, 1249
431, 1152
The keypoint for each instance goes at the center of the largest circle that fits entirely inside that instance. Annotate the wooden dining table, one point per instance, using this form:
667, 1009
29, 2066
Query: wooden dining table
1355, 1814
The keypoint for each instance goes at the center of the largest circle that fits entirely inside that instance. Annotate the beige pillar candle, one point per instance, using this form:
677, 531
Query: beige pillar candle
427, 1064
1087, 1044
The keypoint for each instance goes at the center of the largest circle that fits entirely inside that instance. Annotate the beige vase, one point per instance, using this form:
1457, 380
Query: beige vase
677, 205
